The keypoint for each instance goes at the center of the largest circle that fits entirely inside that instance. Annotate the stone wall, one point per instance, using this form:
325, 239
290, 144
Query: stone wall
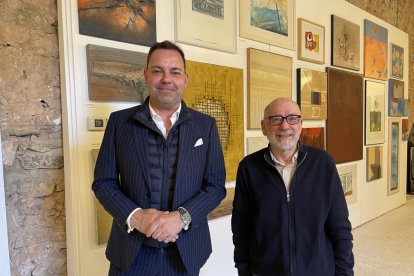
30, 123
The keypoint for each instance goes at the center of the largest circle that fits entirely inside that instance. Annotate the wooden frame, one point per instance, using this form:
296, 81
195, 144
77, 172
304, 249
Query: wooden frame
345, 43
206, 26
393, 155
269, 76
349, 180
375, 51
312, 94
396, 61
311, 41
374, 112
283, 37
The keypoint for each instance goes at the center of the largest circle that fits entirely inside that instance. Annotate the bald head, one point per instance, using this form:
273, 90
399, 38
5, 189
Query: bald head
282, 107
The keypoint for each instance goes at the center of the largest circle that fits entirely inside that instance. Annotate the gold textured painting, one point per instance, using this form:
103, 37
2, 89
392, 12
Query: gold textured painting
218, 91
312, 94
225, 207
269, 76
103, 218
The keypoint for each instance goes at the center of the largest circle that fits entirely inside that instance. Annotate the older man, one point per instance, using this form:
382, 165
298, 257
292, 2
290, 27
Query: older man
289, 212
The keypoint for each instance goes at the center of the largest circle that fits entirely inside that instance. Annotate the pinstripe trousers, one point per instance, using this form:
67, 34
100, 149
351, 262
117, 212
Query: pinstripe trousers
152, 261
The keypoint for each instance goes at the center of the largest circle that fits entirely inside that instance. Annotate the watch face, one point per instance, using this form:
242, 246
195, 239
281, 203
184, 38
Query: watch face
186, 217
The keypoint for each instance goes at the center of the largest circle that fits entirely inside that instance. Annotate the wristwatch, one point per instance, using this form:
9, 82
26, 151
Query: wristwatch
185, 217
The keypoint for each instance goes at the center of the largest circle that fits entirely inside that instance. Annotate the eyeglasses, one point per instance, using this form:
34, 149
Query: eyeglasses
290, 119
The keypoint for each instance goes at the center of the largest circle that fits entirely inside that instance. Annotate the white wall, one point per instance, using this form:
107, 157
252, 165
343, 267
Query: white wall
84, 256
4, 241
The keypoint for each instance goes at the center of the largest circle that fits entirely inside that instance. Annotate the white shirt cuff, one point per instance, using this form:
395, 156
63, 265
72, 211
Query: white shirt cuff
130, 228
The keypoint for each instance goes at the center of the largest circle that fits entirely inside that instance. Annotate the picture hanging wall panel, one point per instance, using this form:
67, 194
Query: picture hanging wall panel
313, 136
312, 94
311, 41
397, 105
115, 75
345, 41
397, 61
375, 51
218, 91
375, 166
344, 126
348, 175
393, 155
212, 26
126, 21
269, 76
374, 112
270, 22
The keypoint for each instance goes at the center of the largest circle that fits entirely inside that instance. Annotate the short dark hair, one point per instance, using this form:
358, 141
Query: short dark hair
166, 45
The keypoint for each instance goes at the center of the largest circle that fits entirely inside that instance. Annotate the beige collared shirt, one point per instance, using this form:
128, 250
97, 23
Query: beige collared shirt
286, 171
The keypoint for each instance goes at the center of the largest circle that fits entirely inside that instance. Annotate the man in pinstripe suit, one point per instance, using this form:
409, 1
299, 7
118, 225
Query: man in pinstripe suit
159, 172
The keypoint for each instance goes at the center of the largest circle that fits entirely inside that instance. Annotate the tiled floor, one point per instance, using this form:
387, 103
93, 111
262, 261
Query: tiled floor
385, 245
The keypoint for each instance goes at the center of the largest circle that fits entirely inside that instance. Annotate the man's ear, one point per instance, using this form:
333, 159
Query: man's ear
264, 130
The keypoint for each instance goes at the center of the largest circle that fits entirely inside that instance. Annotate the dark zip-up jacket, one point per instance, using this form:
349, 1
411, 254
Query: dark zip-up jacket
303, 231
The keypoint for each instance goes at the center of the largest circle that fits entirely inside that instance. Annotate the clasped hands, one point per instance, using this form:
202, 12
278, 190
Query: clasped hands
163, 226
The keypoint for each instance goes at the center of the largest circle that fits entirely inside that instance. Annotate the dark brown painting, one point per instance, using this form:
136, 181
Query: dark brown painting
344, 126
115, 75
129, 21
314, 136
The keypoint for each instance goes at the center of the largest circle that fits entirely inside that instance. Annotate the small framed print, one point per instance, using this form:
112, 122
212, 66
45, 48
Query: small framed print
397, 61
311, 41
270, 22
374, 112
393, 155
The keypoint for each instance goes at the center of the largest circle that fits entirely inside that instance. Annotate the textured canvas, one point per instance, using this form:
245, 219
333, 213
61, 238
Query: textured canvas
345, 41
397, 61
374, 112
344, 126
256, 143
269, 76
312, 94
375, 166
375, 51
115, 75
218, 91
121, 20
314, 136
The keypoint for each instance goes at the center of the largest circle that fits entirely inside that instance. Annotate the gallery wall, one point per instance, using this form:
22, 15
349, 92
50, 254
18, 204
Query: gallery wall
368, 199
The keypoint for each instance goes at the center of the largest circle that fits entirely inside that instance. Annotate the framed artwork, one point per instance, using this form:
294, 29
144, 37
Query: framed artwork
393, 155
225, 207
115, 75
311, 41
345, 43
121, 20
397, 61
270, 22
405, 132
397, 105
218, 91
348, 176
312, 94
374, 112
313, 136
103, 218
211, 25
375, 51
345, 115
269, 76
374, 163
256, 143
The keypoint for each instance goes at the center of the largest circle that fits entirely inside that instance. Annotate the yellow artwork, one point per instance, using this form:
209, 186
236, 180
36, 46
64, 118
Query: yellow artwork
218, 91
269, 76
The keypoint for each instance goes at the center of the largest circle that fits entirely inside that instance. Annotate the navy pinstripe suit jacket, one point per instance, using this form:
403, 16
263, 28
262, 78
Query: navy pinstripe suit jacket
122, 181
